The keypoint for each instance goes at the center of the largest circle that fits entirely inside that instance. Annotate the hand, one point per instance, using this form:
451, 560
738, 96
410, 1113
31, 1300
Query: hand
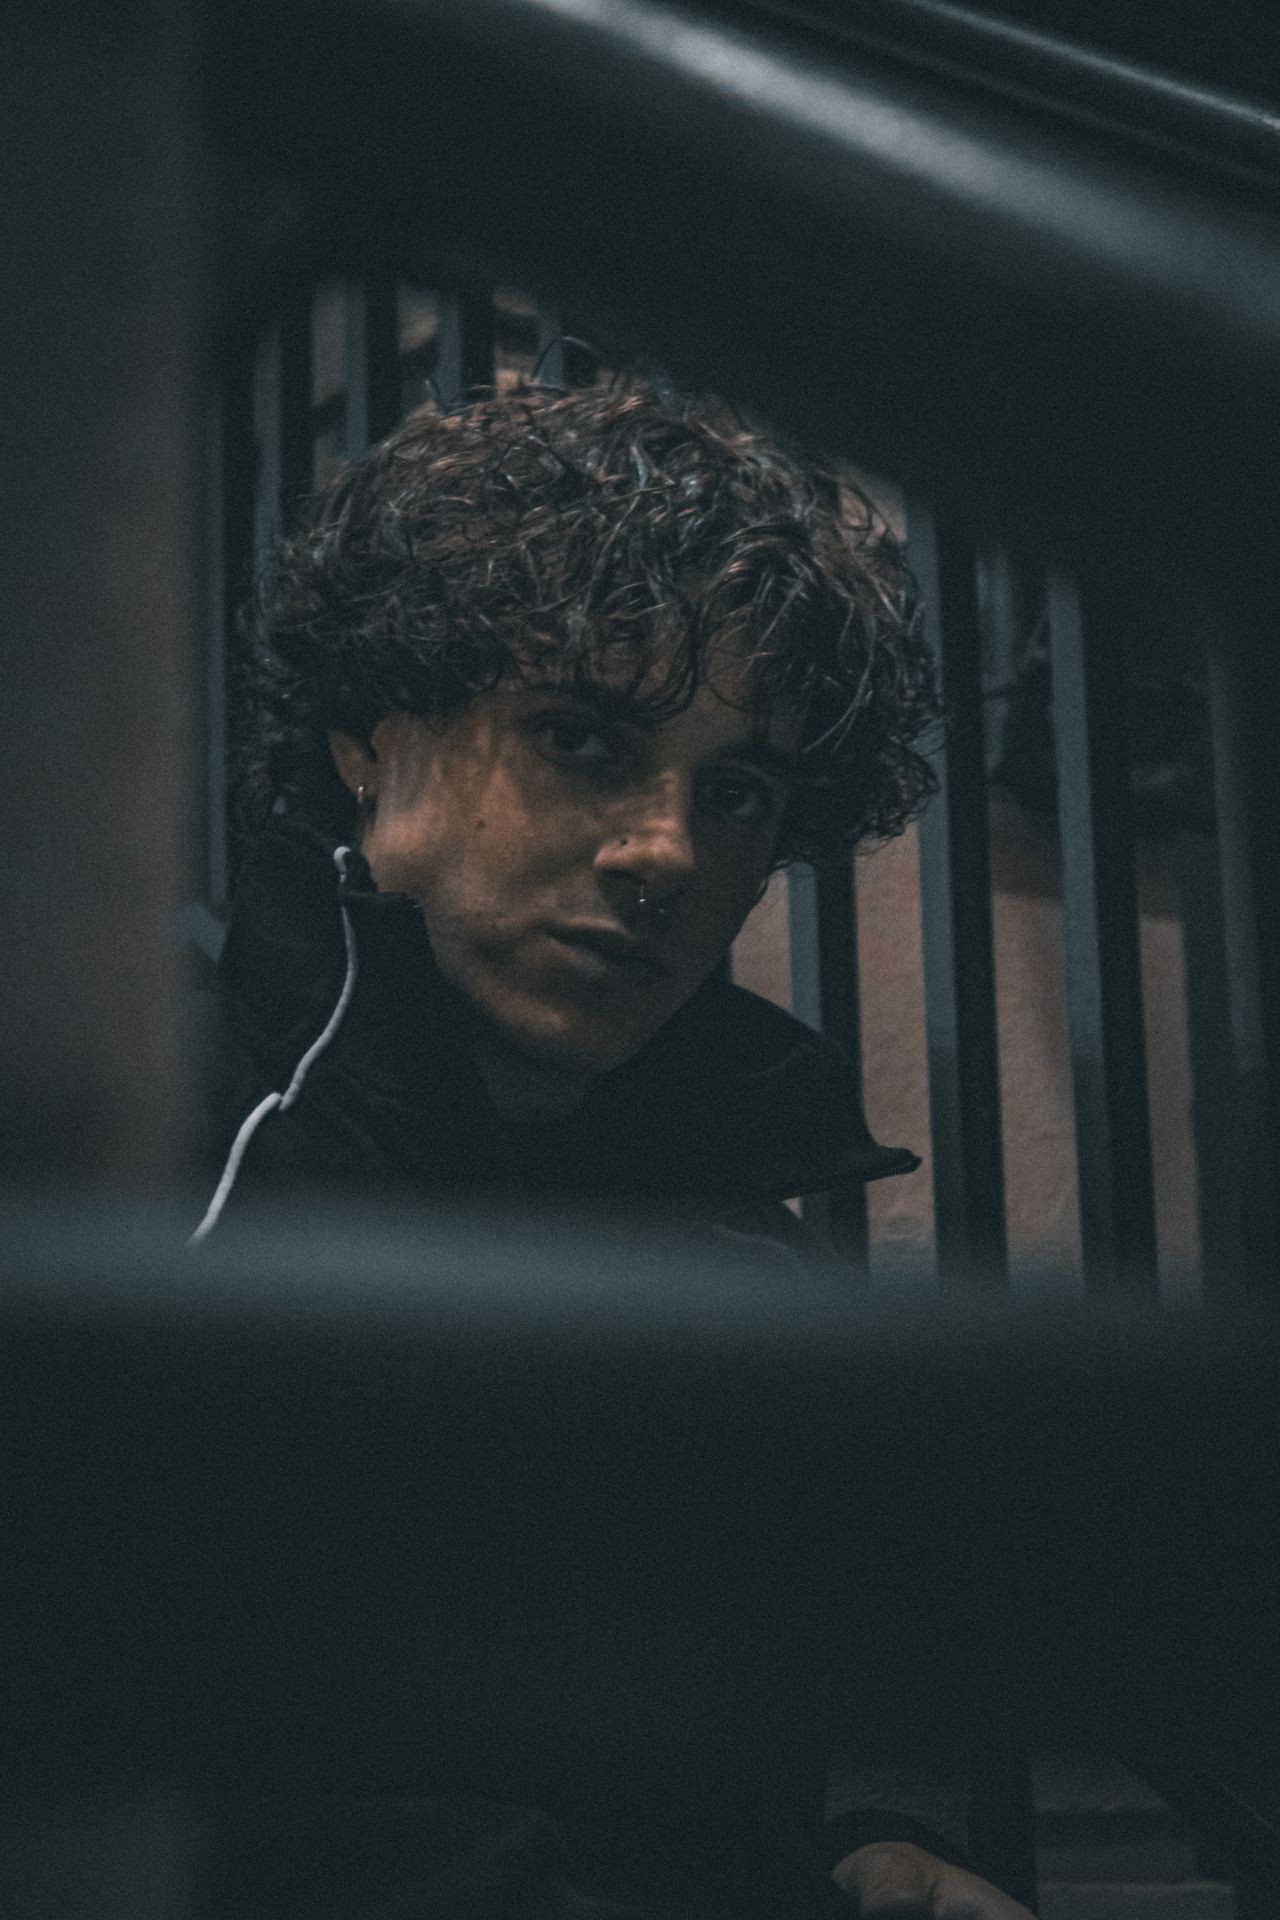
893, 1879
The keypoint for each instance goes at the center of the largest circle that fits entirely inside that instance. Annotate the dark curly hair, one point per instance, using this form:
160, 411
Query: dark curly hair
609, 529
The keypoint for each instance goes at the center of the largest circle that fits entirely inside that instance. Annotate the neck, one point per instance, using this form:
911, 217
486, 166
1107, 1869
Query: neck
522, 1089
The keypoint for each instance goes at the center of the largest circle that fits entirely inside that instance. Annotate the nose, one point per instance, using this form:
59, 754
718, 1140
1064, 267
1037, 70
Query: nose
650, 845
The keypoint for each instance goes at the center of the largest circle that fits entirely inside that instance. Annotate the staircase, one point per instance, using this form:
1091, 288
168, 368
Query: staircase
1108, 1848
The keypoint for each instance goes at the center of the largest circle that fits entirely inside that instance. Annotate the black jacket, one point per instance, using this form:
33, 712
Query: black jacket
698, 1806
733, 1109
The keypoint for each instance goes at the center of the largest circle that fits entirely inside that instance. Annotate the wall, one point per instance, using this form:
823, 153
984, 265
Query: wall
1039, 1147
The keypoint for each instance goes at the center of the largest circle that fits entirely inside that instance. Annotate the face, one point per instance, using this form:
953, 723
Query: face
581, 869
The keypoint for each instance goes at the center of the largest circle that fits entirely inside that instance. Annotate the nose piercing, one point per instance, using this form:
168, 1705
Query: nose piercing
657, 910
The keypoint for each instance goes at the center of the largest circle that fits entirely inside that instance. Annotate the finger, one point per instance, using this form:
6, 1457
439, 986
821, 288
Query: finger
962, 1896
889, 1880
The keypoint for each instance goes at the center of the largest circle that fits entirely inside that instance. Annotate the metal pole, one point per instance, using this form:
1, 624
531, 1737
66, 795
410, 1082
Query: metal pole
822, 925
1100, 931
371, 350
465, 364
955, 907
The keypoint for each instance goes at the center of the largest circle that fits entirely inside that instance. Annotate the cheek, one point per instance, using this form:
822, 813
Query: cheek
404, 850
481, 879
715, 921
734, 888
455, 841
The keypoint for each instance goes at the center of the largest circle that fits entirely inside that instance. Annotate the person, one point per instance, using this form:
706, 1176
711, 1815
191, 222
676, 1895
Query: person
537, 695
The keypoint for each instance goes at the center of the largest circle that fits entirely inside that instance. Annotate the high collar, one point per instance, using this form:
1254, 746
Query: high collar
734, 1101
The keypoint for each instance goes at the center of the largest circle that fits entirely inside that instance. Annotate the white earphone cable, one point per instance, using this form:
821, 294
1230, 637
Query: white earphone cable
274, 1102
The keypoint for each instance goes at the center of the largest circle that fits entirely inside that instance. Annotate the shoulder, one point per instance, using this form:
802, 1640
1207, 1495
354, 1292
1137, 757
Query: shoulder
739, 1099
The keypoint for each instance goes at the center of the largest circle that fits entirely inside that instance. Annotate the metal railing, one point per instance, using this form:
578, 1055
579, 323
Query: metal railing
1063, 336
1105, 242
1073, 303
263, 460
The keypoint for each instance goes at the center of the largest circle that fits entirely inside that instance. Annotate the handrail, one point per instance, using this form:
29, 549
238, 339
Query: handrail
1012, 301
268, 1445
1222, 131
1233, 1807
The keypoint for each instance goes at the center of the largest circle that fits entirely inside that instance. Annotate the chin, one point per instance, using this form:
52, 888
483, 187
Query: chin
578, 1053
580, 1033
576, 1046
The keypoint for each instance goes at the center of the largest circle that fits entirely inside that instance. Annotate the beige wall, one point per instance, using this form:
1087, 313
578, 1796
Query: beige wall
1035, 1072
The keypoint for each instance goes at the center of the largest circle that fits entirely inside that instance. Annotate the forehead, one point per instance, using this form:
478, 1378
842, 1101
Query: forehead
724, 683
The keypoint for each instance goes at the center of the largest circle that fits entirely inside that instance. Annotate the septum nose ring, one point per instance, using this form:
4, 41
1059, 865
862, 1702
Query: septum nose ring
656, 910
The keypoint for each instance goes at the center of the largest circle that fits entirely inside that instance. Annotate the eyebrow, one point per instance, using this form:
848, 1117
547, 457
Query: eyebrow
778, 761
620, 709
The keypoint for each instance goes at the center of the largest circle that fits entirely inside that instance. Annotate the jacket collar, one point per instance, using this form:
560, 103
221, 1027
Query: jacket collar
733, 1102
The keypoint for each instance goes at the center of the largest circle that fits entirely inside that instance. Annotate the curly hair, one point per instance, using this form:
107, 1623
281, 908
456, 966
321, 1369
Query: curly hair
608, 530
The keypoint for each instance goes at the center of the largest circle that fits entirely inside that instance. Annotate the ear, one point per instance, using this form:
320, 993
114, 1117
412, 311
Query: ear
354, 759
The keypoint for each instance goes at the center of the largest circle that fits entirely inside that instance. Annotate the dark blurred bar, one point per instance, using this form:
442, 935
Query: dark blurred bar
100, 340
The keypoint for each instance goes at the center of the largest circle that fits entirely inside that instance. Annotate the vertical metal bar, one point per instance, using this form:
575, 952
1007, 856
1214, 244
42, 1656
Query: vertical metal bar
211, 853
1100, 933
1244, 689
823, 934
1011, 609
803, 944
1215, 1098
955, 909
1009, 595
287, 463
550, 357
561, 360
229, 491
465, 349
371, 361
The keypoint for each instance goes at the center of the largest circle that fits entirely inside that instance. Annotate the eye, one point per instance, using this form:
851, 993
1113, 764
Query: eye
578, 740
740, 797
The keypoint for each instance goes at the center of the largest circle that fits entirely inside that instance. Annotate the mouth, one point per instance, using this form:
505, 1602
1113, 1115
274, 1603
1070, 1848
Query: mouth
607, 952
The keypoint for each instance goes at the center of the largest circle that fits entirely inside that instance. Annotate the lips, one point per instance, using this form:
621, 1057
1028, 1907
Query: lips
611, 949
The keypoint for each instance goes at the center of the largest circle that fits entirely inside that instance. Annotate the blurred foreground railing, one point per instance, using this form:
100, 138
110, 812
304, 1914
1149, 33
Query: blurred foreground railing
1057, 333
